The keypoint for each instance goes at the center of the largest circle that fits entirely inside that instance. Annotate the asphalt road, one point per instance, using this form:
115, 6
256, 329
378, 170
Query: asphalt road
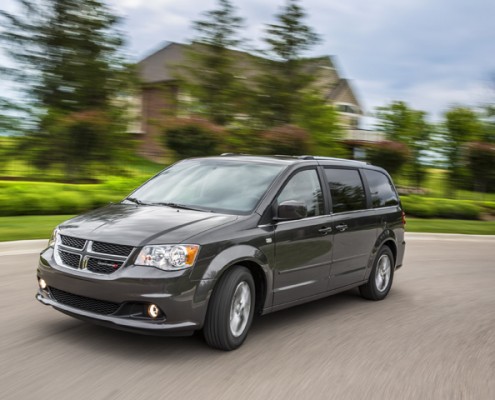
432, 338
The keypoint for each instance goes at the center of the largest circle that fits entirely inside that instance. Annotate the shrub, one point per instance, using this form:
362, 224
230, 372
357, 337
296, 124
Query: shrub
286, 139
192, 137
389, 155
425, 207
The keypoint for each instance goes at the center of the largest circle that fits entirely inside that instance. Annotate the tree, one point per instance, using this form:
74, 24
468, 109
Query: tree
211, 75
321, 121
480, 161
389, 155
286, 140
69, 55
192, 137
462, 125
402, 124
284, 78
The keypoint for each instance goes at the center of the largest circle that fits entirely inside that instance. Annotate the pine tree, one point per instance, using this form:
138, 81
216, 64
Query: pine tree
70, 66
284, 76
210, 74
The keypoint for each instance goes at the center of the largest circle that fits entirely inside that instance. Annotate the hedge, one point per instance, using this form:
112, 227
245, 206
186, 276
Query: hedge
41, 198
426, 207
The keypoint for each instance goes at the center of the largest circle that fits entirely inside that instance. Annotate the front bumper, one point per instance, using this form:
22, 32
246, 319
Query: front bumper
183, 302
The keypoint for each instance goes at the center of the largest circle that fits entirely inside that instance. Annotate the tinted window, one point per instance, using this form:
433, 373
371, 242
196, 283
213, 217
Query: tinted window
347, 189
382, 191
304, 186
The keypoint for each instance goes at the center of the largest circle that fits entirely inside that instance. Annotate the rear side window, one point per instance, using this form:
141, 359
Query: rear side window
382, 191
346, 189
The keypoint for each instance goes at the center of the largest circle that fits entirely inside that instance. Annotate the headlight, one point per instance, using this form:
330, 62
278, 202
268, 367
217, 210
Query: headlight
53, 238
168, 257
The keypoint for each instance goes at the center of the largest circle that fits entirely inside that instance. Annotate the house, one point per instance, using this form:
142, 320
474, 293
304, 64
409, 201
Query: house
161, 92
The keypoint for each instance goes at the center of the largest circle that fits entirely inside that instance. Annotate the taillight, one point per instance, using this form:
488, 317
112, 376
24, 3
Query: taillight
403, 218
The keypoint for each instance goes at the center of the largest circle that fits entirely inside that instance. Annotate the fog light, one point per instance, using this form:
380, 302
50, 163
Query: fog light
42, 284
153, 311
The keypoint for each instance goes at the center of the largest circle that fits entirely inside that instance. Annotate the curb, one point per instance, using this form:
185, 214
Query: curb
22, 247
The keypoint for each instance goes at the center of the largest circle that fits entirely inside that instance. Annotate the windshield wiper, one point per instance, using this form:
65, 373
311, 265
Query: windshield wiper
136, 201
181, 206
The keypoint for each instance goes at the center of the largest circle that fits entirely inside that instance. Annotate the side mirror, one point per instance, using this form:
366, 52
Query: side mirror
291, 210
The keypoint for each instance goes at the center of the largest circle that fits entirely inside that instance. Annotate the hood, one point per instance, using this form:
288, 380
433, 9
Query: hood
135, 225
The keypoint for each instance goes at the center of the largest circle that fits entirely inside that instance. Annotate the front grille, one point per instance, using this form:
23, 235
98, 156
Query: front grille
103, 266
114, 249
73, 242
70, 259
84, 303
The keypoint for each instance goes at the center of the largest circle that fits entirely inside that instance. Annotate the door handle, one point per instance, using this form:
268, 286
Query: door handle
341, 227
324, 230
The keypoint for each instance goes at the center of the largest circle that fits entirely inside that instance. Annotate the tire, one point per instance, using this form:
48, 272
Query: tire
231, 309
381, 276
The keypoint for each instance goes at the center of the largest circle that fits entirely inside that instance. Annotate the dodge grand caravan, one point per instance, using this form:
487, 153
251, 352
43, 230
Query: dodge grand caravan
209, 242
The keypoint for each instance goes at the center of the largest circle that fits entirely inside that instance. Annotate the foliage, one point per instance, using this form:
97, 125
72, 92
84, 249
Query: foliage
405, 125
321, 121
192, 137
284, 78
211, 73
462, 125
480, 162
68, 50
427, 207
41, 198
72, 70
287, 140
389, 155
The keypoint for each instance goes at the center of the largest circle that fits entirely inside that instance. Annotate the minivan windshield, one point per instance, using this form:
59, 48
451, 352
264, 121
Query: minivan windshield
225, 186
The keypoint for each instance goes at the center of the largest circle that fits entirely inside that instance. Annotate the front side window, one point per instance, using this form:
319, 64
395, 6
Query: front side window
304, 186
216, 185
346, 189
382, 191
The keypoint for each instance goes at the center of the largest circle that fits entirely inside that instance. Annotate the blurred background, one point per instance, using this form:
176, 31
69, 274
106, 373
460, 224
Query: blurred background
88, 111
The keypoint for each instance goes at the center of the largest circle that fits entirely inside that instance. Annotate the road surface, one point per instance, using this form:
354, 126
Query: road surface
432, 338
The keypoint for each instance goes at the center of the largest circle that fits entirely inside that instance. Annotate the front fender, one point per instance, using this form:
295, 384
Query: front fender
237, 254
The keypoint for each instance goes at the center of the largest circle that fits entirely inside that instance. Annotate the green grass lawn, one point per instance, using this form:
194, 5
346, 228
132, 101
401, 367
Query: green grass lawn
29, 227
40, 227
450, 226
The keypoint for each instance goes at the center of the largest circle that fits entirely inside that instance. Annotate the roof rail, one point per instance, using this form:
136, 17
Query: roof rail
306, 157
233, 154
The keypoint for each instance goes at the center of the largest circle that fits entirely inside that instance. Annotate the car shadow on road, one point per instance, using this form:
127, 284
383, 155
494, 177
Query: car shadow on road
126, 345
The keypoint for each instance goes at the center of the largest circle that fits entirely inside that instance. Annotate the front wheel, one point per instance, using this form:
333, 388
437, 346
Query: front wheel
231, 310
381, 276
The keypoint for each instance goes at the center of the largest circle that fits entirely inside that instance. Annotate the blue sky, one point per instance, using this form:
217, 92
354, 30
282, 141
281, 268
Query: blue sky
429, 53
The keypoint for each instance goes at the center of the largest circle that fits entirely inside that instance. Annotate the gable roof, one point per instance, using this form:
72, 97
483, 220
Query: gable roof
160, 65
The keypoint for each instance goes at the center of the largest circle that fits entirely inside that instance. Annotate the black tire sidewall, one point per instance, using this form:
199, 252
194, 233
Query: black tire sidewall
248, 278
219, 312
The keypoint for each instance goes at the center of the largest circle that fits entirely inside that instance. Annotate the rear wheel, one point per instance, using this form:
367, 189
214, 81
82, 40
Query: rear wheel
231, 310
381, 276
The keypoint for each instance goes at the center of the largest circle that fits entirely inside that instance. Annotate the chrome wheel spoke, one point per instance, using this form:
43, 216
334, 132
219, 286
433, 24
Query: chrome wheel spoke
383, 273
240, 309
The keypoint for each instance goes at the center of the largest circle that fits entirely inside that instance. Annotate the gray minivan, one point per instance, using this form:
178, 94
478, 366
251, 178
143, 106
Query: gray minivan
208, 242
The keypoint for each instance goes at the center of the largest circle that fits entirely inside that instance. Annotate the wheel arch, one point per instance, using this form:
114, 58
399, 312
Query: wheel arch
252, 259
